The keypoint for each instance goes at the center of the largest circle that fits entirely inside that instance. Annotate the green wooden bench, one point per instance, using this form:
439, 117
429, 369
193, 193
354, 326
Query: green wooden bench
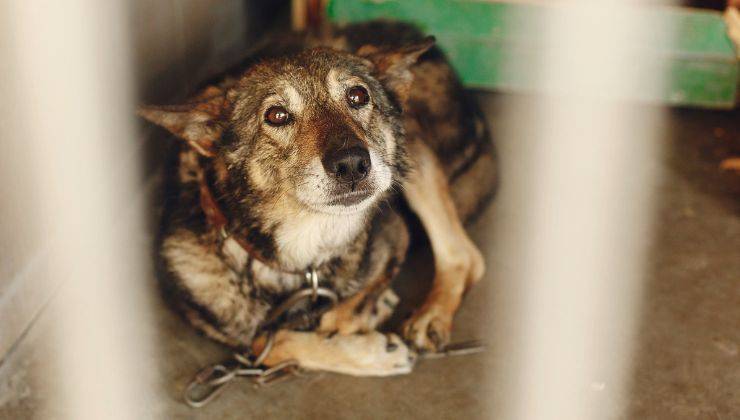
484, 43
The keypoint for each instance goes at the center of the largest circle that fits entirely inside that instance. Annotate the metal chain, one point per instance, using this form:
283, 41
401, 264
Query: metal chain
211, 381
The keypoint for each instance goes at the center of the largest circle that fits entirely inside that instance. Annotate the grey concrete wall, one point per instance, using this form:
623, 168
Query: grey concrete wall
175, 41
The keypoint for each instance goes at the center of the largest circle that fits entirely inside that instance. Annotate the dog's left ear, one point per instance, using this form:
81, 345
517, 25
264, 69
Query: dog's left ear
198, 121
392, 66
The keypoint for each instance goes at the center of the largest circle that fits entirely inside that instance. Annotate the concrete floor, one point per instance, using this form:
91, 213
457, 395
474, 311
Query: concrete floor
687, 365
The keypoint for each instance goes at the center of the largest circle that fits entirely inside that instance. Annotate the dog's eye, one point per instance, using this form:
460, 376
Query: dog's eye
357, 96
277, 115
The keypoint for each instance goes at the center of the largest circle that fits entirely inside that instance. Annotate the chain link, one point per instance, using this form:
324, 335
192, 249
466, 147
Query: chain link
211, 381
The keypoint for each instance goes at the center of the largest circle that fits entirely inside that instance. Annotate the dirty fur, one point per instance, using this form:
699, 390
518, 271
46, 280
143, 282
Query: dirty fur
270, 184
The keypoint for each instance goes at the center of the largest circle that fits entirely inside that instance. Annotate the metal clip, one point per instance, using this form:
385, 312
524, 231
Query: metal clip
207, 384
210, 382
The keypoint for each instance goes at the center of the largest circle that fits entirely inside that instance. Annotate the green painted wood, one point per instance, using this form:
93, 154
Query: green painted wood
485, 42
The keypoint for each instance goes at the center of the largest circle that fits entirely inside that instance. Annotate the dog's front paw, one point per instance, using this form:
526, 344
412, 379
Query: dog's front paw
369, 354
429, 328
373, 354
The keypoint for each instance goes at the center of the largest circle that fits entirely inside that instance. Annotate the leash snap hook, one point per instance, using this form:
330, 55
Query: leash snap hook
207, 384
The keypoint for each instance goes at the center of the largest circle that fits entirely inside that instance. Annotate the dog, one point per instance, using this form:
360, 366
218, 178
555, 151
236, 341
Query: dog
300, 163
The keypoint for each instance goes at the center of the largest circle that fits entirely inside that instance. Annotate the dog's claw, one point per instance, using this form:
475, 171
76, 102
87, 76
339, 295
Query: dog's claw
435, 338
428, 330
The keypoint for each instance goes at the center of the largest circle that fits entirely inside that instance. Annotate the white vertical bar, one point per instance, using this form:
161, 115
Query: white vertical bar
75, 99
580, 206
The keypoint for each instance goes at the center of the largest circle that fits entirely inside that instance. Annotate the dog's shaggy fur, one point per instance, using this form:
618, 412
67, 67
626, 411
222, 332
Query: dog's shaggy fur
426, 144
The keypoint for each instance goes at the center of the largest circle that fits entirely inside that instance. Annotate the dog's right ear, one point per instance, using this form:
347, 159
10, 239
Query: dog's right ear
392, 66
198, 122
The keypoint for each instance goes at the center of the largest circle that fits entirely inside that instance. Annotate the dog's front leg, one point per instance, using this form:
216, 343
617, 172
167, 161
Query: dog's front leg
458, 262
361, 313
369, 354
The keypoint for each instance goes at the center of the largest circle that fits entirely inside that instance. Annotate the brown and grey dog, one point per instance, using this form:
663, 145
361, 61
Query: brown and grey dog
301, 161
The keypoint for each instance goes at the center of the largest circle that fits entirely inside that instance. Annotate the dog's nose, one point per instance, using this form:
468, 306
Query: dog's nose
348, 165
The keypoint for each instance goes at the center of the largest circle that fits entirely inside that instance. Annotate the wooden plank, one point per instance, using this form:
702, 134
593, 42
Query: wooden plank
486, 44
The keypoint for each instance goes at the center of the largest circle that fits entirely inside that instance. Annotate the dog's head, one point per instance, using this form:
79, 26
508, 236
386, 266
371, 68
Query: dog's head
322, 128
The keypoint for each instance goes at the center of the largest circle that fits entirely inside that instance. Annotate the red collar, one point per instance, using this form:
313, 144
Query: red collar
217, 219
